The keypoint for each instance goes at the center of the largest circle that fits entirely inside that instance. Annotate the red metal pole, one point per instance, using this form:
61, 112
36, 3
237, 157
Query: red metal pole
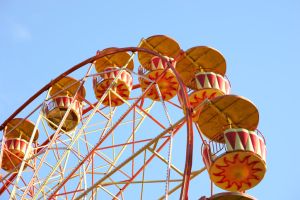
146, 163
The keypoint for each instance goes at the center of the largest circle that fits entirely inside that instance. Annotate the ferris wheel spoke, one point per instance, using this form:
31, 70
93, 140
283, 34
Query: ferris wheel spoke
91, 107
82, 178
126, 102
131, 137
141, 169
111, 163
164, 105
174, 189
178, 123
146, 112
143, 176
169, 165
166, 161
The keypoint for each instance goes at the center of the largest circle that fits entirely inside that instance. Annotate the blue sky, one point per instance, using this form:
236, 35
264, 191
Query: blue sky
259, 39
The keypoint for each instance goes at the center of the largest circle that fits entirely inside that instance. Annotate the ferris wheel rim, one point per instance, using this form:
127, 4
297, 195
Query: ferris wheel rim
182, 92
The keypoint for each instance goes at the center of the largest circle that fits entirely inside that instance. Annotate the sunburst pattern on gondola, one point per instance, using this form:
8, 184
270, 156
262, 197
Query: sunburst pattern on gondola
121, 88
237, 171
167, 85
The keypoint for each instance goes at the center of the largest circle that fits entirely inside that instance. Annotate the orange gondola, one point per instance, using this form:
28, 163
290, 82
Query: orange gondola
66, 93
242, 166
229, 196
17, 136
112, 77
202, 70
232, 120
153, 69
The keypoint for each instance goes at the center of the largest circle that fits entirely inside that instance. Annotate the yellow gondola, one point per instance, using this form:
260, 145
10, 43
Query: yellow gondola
202, 70
161, 44
167, 84
199, 59
226, 111
17, 136
229, 196
113, 60
208, 86
152, 70
108, 68
243, 165
67, 92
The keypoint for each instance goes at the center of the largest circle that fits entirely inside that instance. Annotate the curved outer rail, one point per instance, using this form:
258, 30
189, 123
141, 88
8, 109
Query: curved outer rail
182, 93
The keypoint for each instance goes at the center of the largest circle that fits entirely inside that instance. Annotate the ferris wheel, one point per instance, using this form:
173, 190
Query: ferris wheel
122, 124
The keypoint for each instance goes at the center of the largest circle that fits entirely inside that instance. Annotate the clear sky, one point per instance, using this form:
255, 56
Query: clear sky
259, 39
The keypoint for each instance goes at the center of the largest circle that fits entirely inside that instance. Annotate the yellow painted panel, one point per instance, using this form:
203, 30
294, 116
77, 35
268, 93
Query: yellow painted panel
24, 128
114, 60
161, 44
215, 115
232, 196
67, 86
197, 59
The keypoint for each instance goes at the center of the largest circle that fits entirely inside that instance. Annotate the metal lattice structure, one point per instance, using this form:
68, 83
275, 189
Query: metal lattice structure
120, 125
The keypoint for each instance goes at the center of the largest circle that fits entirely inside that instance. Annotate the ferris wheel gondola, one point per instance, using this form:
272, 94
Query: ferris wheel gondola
17, 136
